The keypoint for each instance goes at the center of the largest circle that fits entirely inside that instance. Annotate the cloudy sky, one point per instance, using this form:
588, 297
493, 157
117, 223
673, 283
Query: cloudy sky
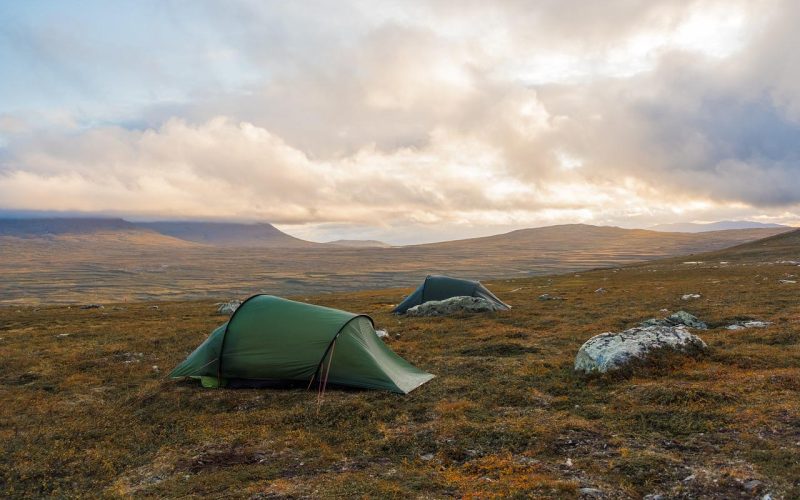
403, 121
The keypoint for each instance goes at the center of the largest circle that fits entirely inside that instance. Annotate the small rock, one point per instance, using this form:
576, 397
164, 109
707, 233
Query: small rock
228, 307
748, 324
599, 290
63, 335
592, 492
568, 463
690, 296
92, 306
684, 318
654, 496
689, 478
426, 457
547, 296
397, 336
155, 368
752, 485
382, 334
654, 322
154, 307
787, 282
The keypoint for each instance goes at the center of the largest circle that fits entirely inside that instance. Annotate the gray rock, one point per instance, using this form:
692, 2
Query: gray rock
676, 319
382, 334
741, 325
453, 305
752, 485
600, 290
228, 307
591, 492
655, 322
611, 351
547, 296
690, 296
92, 306
684, 318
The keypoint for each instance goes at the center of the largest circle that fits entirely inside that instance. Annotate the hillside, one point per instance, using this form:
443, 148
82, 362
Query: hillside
360, 243
58, 226
64, 237
227, 234
785, 246
91, 413
689, 227
579, 237
101, 270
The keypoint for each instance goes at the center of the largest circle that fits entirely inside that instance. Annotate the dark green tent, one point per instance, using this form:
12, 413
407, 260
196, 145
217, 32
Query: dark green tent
443, 287
269, 339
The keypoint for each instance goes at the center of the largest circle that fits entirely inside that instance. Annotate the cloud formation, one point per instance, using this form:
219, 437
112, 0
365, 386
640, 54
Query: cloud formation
420, 115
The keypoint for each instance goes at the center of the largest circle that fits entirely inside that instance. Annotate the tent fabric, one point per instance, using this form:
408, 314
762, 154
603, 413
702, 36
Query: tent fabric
443, 287
278, 340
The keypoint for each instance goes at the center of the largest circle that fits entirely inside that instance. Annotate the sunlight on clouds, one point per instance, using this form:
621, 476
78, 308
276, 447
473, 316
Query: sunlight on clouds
418, 115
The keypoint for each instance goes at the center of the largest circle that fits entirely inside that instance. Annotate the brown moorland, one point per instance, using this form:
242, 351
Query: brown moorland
87, 410
140, 265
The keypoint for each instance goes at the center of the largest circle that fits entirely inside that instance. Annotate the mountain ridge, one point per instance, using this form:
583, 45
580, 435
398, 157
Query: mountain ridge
692, 227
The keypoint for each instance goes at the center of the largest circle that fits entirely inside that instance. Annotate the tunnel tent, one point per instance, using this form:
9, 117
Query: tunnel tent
272, 340
437, 287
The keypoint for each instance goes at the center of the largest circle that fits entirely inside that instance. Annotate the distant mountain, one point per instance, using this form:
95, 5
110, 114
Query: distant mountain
360, 243
100, 233
229, 234
581, 245
59, 226
690, 227
219, 234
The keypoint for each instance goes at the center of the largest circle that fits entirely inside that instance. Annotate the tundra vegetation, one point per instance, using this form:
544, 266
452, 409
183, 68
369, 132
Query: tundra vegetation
87, 409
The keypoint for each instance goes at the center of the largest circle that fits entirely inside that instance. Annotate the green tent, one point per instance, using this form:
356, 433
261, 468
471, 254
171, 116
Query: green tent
273, 340
443, 287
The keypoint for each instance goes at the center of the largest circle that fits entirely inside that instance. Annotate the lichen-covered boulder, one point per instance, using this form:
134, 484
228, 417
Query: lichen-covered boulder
453, 305
611, 351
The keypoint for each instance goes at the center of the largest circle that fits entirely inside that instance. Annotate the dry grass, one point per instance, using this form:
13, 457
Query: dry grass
85, 414
141, 266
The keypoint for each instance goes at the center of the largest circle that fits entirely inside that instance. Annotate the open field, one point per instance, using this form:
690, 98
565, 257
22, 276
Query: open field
136, 266
85, 412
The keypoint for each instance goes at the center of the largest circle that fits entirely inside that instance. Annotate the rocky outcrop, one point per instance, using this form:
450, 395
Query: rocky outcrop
612, 351
453, 305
